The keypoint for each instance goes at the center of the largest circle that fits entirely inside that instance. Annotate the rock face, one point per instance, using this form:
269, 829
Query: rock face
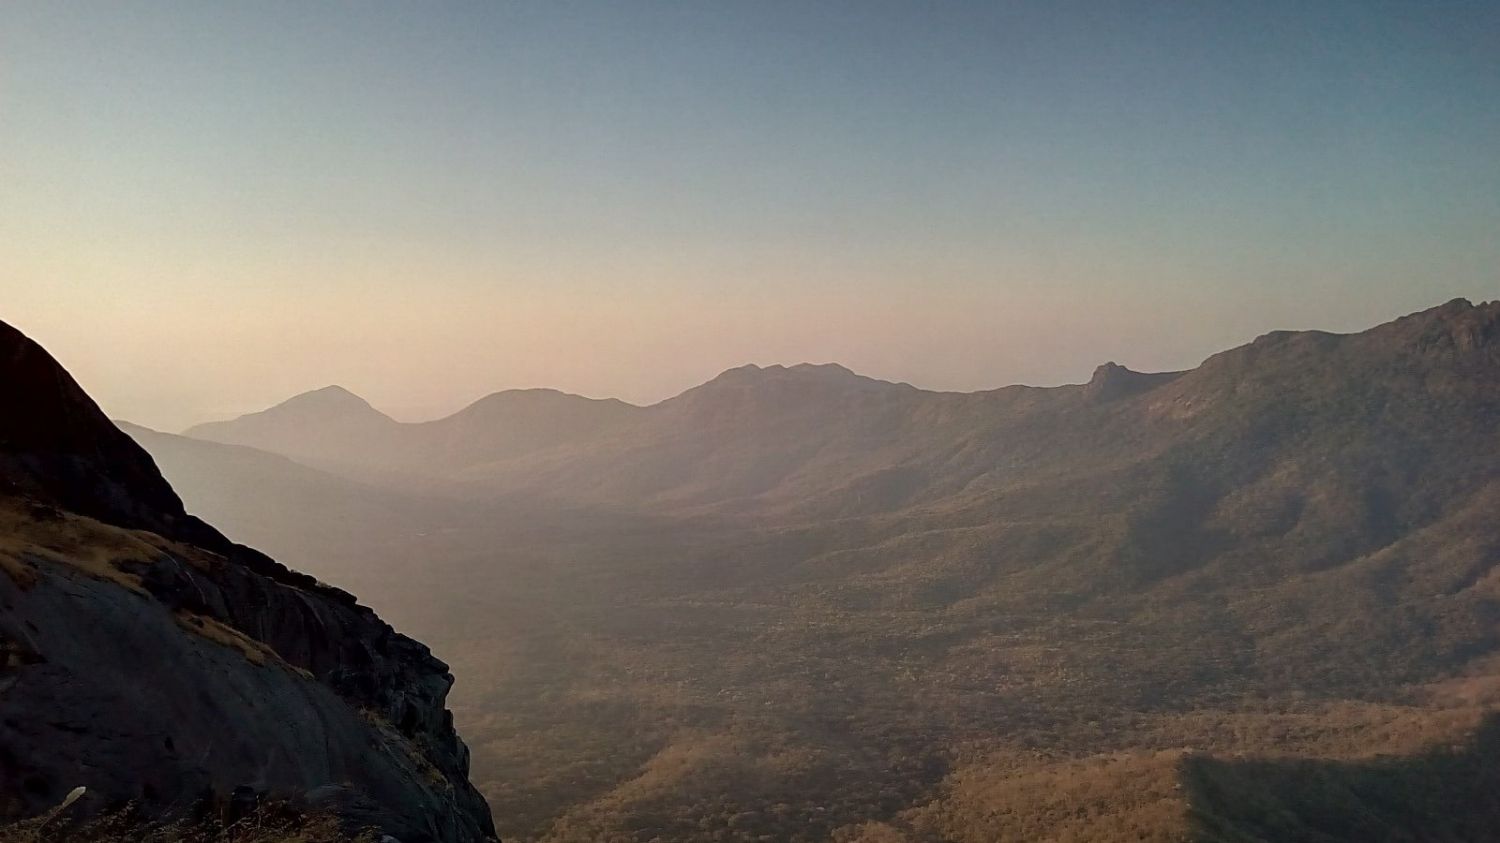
148, 658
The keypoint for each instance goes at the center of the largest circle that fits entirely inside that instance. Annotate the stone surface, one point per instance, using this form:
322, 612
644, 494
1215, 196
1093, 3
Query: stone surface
148, 658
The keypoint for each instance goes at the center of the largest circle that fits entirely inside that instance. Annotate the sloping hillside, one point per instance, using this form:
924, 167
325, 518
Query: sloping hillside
151, 661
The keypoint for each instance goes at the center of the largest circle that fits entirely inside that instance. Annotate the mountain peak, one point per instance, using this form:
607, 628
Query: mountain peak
333, 390
534, 396
332, 397
327, 420
58, 447
833, 374
1456, 327
1457, 305
824, 370
1112, 381
328, 404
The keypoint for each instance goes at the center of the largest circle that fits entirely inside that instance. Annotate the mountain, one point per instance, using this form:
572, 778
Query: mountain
328, 426
152, 661
737, 436
824, 441
827, 443
508, 424
1244, 602
333, 428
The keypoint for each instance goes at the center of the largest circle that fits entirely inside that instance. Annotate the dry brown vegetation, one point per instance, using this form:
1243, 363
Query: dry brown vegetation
31, 531
225, 635
263, 825
97, 549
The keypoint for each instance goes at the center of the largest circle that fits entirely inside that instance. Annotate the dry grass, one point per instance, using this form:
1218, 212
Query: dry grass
271, 824
414, 752
28, 531
220, 633
1121, 796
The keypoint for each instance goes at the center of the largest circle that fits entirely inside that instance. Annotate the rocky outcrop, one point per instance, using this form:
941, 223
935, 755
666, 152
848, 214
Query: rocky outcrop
1112, 381
56, 445
149, 659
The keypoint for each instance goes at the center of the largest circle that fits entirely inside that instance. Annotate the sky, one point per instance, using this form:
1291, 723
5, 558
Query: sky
208, 207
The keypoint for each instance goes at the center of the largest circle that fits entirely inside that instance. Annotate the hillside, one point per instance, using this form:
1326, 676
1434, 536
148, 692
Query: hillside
311, 519
801, 603
155, 663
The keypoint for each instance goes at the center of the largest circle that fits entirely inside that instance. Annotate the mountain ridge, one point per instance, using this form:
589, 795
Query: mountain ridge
152, 661
768, 437
1480, 332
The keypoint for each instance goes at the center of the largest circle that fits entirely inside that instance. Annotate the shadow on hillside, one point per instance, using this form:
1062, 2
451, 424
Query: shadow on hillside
1444, 795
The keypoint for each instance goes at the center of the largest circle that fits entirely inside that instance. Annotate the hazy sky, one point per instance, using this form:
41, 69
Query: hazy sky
206, 207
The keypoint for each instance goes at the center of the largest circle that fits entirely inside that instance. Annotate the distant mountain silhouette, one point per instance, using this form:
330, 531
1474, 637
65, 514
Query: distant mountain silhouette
330, 426
508, 424
333, 428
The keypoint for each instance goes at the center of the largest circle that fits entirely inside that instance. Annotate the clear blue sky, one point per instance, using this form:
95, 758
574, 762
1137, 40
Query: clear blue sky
209, 206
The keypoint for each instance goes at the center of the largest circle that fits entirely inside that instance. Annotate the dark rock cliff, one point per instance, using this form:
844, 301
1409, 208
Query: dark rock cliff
149, 659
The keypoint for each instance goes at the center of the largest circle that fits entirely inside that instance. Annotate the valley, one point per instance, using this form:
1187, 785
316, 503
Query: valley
798, 604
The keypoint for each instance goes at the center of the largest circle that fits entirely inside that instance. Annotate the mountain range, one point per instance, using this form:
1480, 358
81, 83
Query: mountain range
796, 603
823, 441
